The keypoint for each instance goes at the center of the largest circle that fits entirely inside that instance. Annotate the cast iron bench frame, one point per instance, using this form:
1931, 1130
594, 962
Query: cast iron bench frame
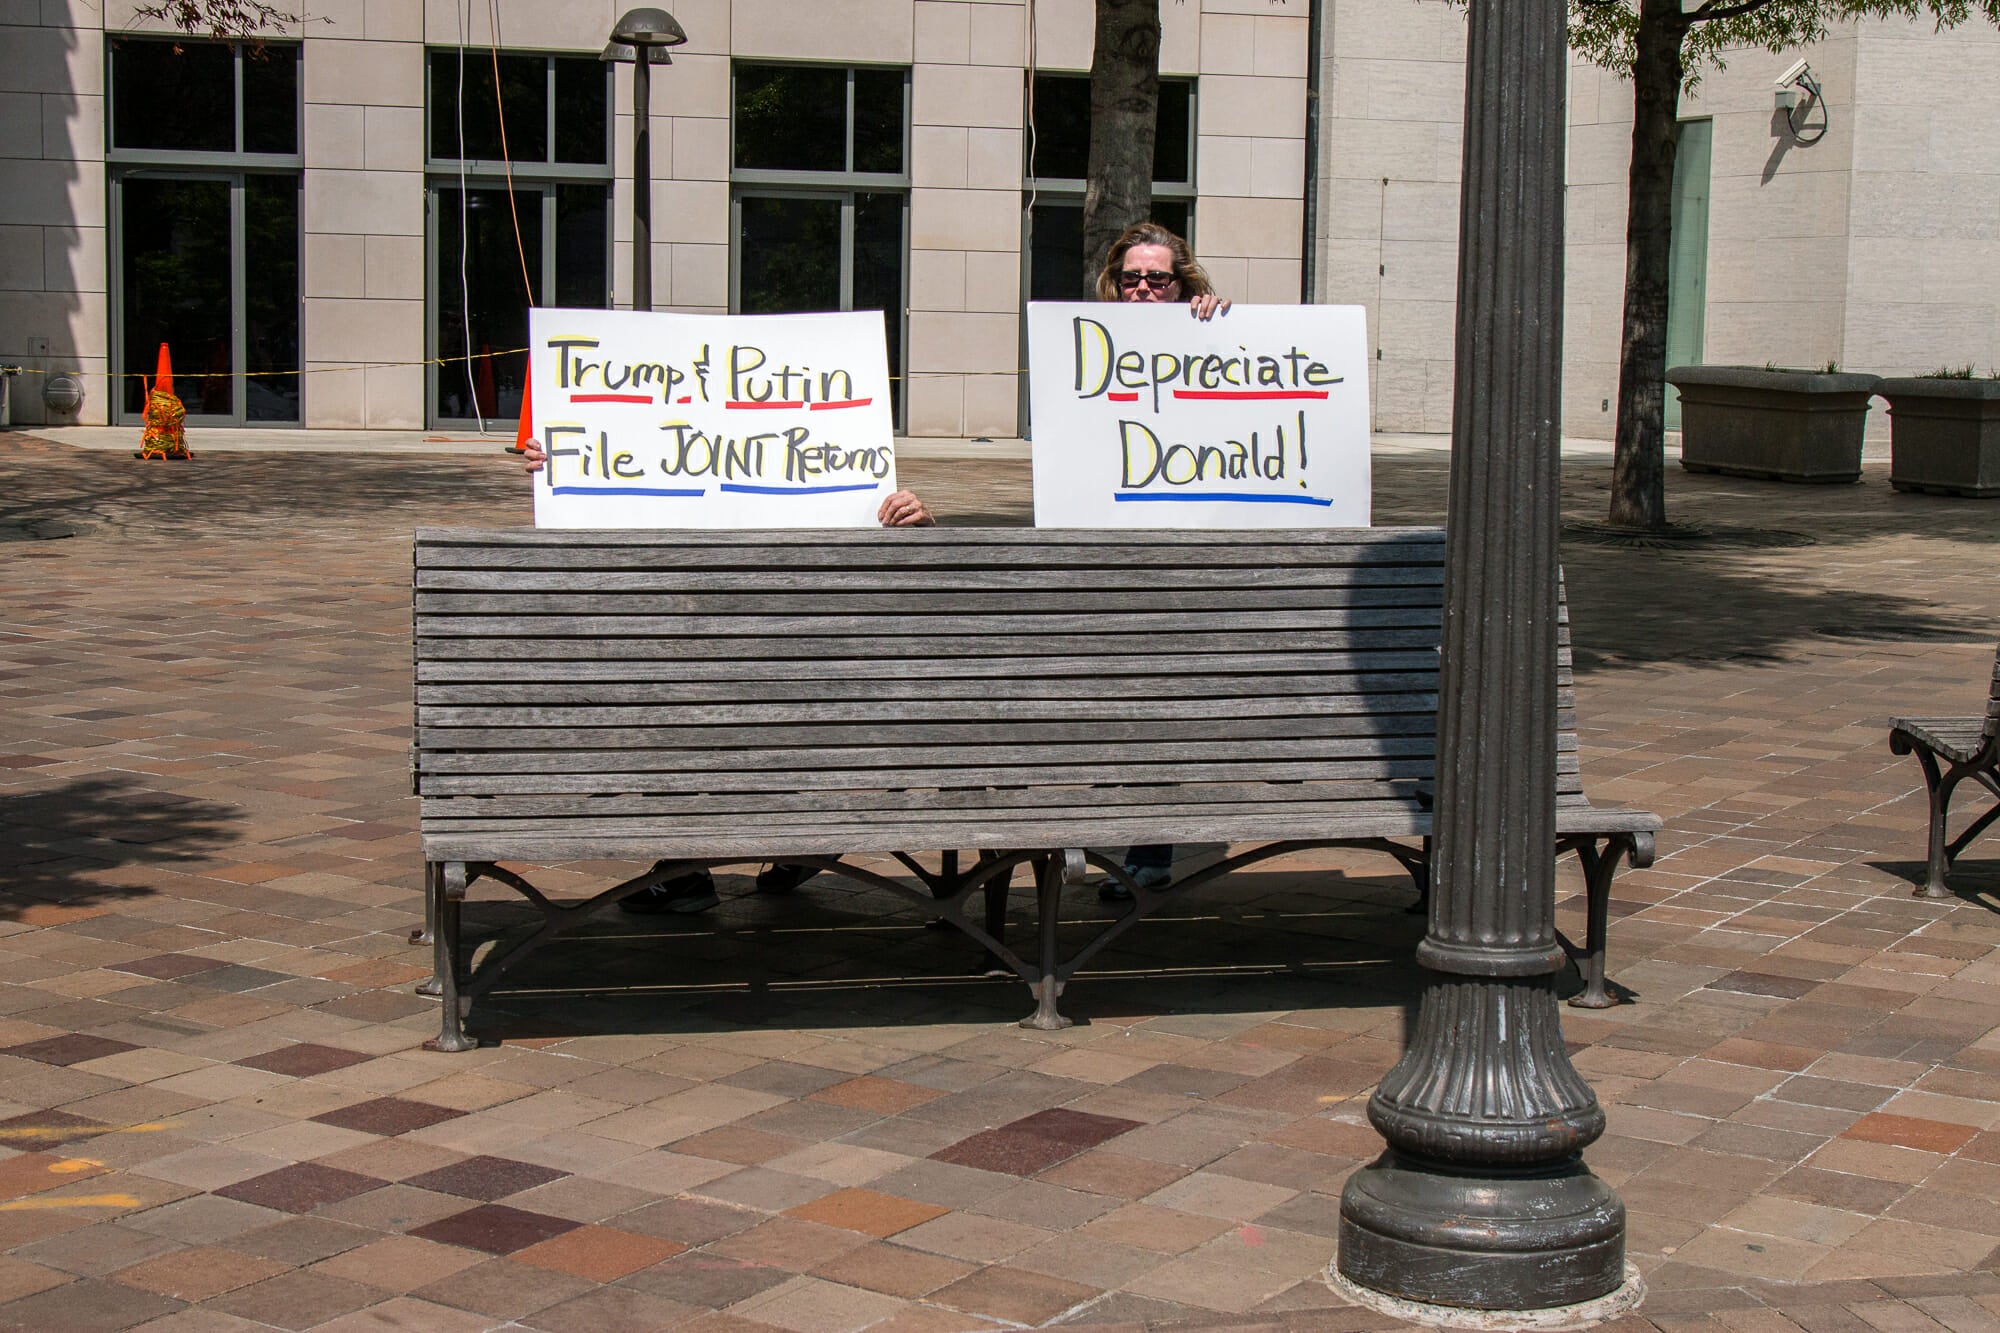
664, 696
1970, 748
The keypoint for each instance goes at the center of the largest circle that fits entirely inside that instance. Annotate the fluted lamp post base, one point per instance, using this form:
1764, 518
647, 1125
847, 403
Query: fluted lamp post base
1420, 1232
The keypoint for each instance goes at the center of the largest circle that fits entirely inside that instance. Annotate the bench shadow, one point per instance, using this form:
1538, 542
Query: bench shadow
1971, 880
57, 842
848, 958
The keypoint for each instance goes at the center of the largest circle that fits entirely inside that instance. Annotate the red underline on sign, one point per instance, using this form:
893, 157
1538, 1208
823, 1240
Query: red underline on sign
1121, 397
840, 403
736, 403
1240, 395
611, 398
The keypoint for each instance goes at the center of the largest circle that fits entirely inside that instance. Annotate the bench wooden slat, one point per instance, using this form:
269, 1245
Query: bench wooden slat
853, 699
469, 663
919, 602
470, 781
951, 651
896, 581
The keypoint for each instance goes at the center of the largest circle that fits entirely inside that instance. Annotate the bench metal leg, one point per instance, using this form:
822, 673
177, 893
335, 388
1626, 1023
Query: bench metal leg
1598, 869
433, 986
1048, 890
451, 1031
1940, 787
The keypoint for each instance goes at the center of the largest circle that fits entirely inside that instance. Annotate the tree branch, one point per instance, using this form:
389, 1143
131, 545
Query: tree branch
1710, 11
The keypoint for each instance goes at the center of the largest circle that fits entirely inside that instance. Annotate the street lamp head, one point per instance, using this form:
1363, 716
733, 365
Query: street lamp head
648, 27
624, 53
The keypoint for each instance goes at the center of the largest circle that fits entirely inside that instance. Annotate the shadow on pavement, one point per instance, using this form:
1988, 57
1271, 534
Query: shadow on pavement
54, 844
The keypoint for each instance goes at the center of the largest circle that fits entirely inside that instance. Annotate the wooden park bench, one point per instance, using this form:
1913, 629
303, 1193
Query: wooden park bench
1968, 747
705, 698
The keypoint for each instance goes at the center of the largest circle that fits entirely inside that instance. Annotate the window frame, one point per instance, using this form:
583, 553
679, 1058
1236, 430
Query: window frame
532, 179
230, 168
842, 183
1070, 190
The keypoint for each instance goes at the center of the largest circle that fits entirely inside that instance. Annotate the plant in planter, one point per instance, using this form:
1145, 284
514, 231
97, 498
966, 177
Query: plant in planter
1787, 425
1944, 432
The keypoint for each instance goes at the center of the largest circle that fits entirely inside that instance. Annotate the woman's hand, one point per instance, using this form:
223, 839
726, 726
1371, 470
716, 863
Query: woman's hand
1207, 306
531, 455
904, 510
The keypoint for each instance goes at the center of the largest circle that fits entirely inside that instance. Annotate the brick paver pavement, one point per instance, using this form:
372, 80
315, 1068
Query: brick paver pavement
807, 1113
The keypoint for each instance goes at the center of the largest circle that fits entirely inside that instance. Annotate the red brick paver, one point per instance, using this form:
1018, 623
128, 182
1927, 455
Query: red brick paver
804, 1112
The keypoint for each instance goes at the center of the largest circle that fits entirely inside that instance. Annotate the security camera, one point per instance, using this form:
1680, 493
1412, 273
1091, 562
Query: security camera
1791, 74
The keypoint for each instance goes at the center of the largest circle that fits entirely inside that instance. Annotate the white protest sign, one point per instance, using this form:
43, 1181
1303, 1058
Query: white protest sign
1145, 417
709, 421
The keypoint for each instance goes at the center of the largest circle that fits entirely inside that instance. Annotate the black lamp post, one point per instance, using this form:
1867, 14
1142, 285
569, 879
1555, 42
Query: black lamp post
636, 38
1482, 1199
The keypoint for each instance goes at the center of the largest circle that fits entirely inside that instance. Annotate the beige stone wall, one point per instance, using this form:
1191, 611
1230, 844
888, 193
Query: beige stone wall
52, 193
364, 128
1392, 85
1924, 207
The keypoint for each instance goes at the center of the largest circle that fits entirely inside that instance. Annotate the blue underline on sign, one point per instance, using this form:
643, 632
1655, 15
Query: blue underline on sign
621, 490
797, 490
1237, 497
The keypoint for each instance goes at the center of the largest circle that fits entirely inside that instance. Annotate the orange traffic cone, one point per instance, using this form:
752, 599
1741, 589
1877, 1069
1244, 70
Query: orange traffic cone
166, 435
526, 430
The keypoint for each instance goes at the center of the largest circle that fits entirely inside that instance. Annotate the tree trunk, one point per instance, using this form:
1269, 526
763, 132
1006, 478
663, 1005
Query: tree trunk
1638, 472
1124, 109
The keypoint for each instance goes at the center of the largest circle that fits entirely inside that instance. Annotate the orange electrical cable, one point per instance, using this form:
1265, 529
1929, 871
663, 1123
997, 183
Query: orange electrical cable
506, 157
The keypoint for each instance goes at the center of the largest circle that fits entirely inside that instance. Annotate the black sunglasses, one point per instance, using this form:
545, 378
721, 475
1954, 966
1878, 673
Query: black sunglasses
1131, 278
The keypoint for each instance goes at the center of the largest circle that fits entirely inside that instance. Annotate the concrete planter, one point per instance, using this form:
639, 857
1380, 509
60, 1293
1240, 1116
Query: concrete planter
1787, 425
1944, 435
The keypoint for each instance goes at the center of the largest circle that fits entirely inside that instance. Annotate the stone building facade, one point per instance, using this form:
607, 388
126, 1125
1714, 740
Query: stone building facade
366, 242
1876, 247
322, 227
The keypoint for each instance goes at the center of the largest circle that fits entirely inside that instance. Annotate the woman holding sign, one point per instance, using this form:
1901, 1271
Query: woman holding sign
1148, 263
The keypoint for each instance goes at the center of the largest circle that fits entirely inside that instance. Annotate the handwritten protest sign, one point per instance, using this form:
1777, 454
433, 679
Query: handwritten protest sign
1145, 417
710, 421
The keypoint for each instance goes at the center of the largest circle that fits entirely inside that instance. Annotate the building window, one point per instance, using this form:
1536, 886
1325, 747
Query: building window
203, 151
820, 194
492, 255
1059, 161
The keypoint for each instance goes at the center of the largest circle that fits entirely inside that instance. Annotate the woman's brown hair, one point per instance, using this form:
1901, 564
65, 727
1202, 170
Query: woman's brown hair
1193, 277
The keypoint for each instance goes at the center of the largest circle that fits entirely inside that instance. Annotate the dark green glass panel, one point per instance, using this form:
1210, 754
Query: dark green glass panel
791, 117
271, 297
1062, 129
1055, 254
1173, 135
524, 90
173, 95
271, 99
583, 238
878, 120
484, 311
583, 106
175, 289
878, 265
1061, 140
790, 255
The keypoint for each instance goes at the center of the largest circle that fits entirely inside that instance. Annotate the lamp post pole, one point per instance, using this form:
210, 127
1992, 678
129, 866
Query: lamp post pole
635, 38
1482, 1199
642, 181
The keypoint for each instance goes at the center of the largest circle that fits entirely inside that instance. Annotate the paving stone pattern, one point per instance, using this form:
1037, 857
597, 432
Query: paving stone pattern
812, 1113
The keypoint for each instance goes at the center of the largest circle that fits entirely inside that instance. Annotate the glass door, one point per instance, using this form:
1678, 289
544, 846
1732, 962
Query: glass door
482, 285
482, 301
186, 247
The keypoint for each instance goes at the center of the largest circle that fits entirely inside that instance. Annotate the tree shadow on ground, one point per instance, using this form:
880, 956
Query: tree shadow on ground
1765, 576
56, 843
